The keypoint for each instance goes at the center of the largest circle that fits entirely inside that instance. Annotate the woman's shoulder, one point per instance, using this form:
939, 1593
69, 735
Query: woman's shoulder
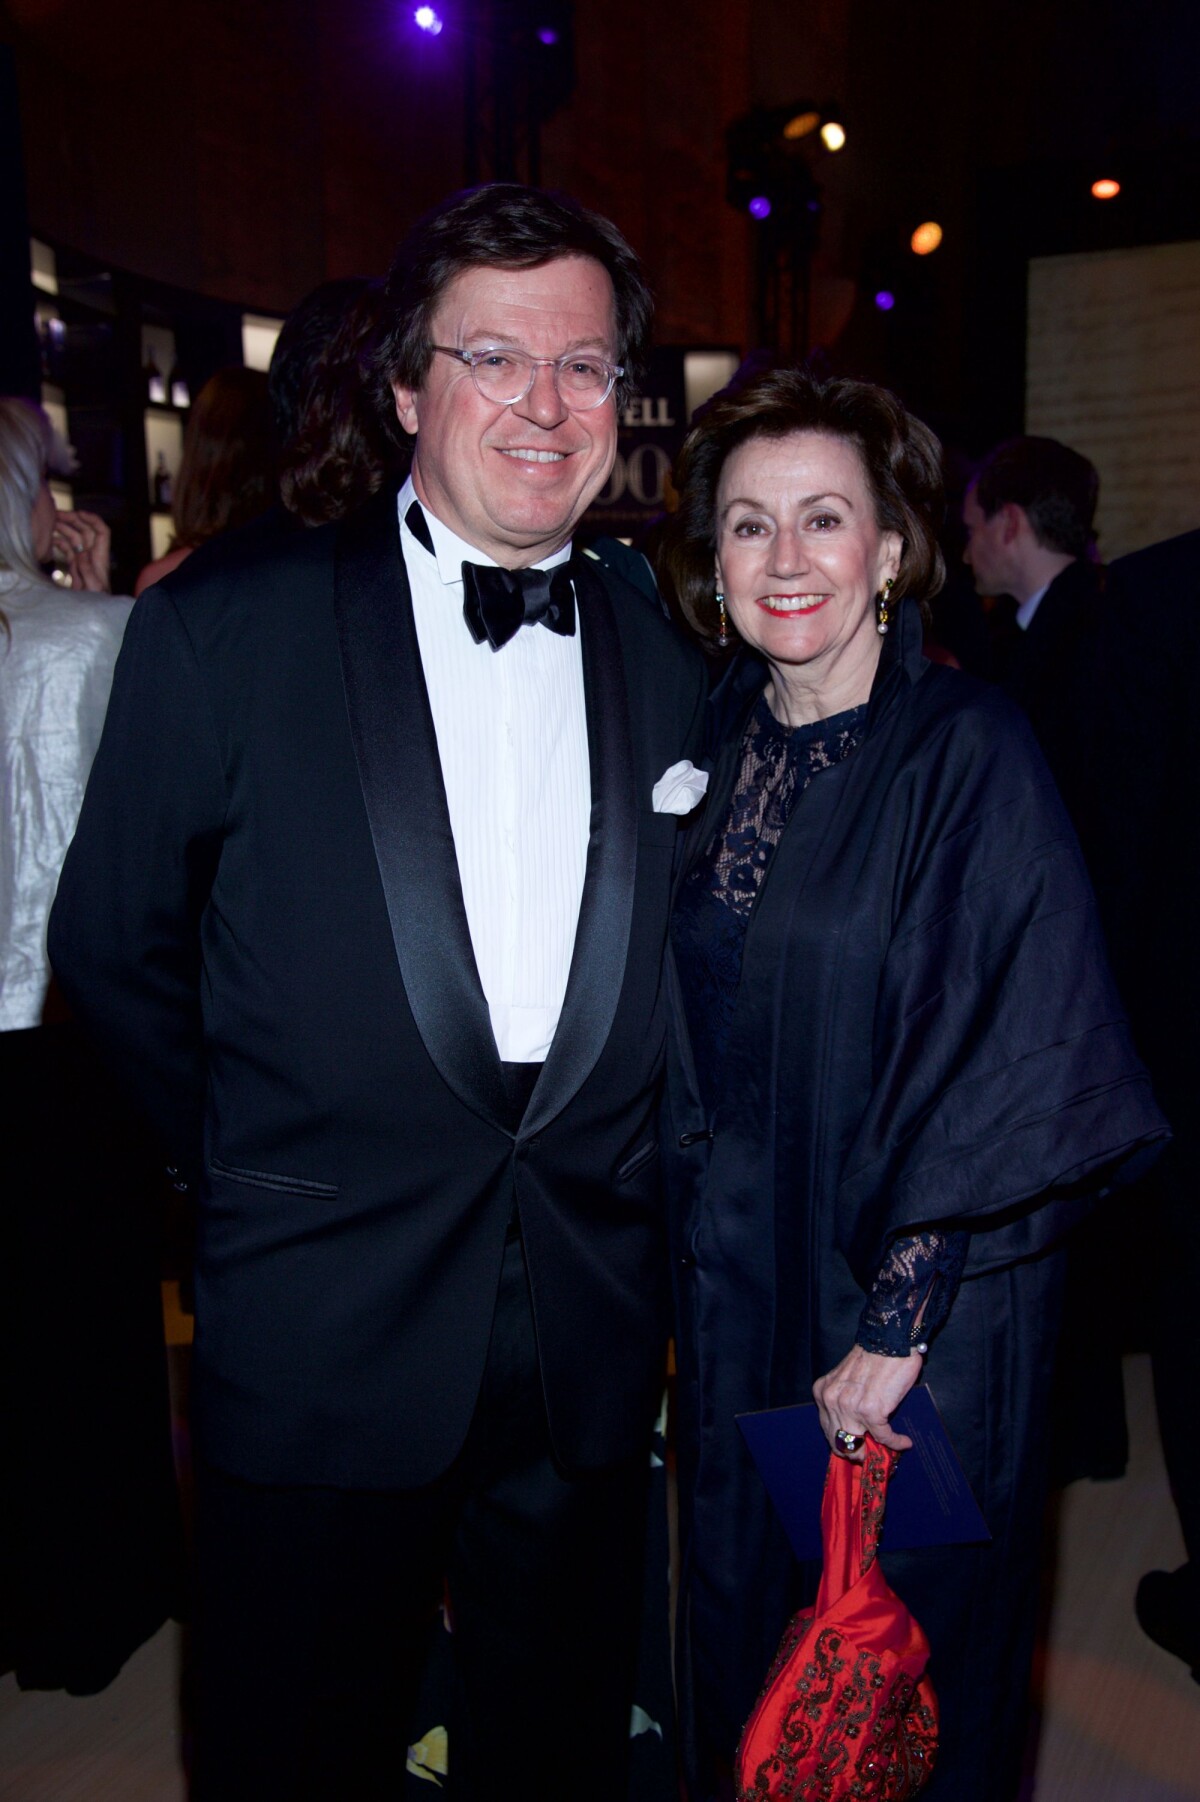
43, 613
968, 750
947, 702
161, 567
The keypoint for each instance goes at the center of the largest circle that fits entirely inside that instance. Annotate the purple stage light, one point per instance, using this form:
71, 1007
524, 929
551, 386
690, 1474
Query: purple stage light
428, 19
760, 207
547, 35
885, 300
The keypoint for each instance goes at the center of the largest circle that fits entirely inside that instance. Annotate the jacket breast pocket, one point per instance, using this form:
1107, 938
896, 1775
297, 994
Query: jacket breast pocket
276, 1185
658, 829
644, 1155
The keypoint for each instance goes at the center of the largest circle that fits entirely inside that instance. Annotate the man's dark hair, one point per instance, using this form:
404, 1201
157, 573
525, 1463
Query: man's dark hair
303, 337
504, 226
1056, 488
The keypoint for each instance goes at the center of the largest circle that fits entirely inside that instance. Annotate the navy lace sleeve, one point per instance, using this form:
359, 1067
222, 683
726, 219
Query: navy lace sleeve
912, 1293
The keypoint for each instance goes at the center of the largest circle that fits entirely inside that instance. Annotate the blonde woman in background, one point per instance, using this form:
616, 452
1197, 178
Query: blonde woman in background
88, 1523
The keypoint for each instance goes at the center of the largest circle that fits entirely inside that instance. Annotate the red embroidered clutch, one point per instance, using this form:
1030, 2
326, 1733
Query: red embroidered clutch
847, 1713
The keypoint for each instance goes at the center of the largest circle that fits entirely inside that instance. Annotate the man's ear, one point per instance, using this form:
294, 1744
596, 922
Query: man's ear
406, 406
1015, 521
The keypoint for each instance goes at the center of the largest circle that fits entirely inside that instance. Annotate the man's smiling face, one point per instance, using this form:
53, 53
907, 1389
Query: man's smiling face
514, 480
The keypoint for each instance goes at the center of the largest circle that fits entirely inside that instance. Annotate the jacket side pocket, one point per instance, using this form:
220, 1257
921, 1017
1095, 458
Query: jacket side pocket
278, 1185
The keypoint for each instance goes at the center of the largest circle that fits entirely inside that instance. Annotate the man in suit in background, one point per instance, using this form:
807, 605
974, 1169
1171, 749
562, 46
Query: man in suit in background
1143, 833
368, 902
1028, 515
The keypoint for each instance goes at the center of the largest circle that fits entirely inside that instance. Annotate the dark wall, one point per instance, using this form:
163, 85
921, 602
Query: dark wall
251, 150
245, 151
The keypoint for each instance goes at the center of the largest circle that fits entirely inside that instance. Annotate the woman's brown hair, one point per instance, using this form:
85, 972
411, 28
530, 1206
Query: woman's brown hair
901, 458
340, 453
227, 472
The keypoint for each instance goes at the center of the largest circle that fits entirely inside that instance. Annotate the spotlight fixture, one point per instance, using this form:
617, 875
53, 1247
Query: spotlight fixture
427, 18
548, 35
1106, 188
885, 300
926, 238
833, 135
769, 170
800, 125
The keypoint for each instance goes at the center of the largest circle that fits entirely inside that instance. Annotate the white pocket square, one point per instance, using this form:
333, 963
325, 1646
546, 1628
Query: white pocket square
680, 788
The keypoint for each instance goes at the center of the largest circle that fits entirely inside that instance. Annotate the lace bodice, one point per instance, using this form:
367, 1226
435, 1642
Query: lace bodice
915, 1286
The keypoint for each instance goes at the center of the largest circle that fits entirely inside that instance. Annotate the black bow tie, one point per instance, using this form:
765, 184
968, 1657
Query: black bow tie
498, 602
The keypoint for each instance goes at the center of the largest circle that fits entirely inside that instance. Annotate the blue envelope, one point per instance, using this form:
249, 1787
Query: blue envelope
929, 1499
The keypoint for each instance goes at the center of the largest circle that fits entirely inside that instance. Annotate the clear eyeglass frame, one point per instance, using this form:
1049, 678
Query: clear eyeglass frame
506, 381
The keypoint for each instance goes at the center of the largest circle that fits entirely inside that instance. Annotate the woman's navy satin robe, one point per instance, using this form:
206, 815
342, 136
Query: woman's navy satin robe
925, 1032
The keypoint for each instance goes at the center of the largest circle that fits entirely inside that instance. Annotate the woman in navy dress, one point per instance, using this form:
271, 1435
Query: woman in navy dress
900, 1071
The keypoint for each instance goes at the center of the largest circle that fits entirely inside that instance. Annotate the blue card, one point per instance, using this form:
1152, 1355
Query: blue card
929, 1499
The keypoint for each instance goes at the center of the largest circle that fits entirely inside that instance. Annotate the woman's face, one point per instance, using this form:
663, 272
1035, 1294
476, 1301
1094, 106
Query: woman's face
44, 515
800, 557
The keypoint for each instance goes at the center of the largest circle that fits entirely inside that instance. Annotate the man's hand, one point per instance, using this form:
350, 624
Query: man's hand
82, 542
860, 1394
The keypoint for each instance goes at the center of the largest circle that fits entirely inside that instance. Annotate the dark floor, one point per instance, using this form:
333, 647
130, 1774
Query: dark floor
1120, 1719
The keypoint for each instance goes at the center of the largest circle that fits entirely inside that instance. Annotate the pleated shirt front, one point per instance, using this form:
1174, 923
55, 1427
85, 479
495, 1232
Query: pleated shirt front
512, 741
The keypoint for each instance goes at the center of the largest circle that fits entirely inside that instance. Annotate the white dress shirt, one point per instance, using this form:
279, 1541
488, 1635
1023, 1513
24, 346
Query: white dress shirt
56, 665
1027, 609
512, 739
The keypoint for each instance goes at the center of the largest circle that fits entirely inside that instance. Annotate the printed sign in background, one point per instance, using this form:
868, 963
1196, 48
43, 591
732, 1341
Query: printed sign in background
651, 430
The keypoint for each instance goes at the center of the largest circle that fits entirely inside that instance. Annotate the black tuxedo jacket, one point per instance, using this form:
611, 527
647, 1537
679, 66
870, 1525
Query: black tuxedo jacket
261, 918
1053, 672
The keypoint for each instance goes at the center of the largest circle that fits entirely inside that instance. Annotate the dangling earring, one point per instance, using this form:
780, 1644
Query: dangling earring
723, 638
881, 607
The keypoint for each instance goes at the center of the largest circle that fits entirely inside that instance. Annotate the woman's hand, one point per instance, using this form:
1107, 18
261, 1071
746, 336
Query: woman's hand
860, 1394
82, 541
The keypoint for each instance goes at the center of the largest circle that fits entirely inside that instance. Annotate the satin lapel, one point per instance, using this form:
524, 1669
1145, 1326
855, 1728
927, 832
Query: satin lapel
606, 912
396, 749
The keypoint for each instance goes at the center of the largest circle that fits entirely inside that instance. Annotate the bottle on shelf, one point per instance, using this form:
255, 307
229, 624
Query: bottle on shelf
162, 484
156, 387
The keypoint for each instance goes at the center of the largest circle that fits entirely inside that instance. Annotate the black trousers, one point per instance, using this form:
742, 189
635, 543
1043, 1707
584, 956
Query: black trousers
91, 1543
314, 1608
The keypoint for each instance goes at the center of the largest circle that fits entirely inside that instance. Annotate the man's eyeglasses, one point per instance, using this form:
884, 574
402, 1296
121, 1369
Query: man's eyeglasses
505, 376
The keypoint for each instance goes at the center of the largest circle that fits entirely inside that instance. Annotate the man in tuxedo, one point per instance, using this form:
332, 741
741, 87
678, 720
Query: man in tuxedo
1028, 515
368, 901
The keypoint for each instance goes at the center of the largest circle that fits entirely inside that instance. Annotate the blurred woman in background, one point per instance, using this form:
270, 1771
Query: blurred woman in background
228, 474
341, 451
